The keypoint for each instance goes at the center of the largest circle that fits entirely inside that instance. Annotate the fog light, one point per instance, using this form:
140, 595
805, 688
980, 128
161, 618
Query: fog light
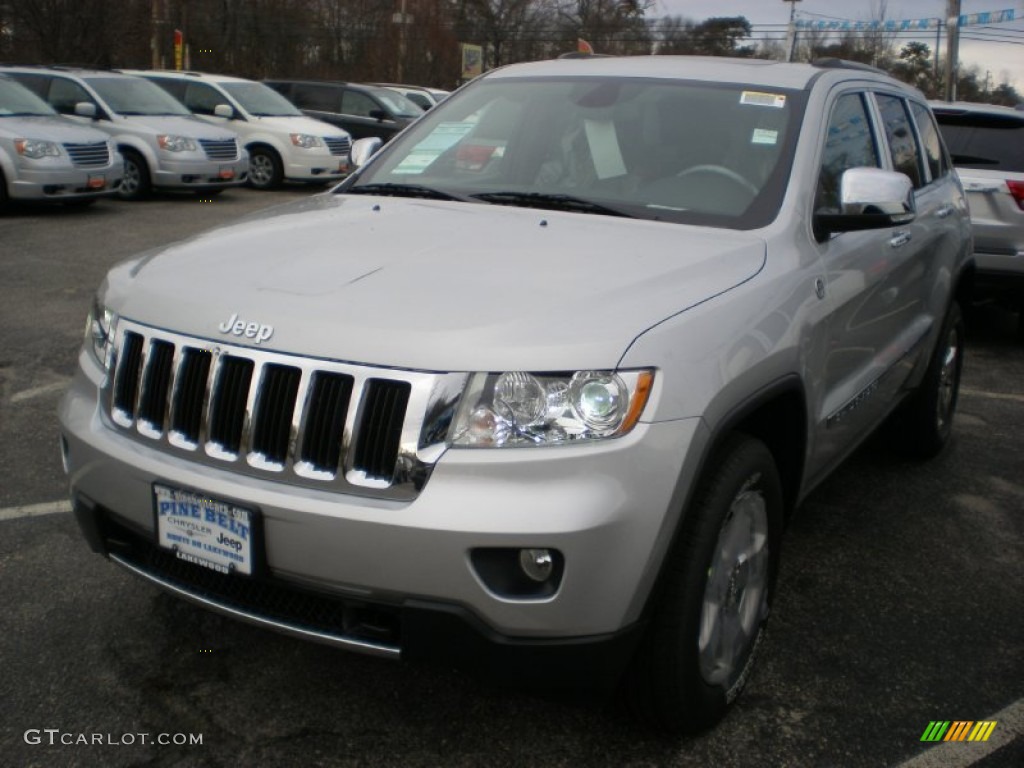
536, 563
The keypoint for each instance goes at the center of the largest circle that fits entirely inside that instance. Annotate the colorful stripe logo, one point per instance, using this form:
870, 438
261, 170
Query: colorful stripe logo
958, 730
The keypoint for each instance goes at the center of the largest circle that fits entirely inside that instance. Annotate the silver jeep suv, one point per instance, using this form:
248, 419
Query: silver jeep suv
537, 388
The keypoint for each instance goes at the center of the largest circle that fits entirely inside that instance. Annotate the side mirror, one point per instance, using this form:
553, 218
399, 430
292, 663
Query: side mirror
364, 149
869, 198
224, 110
86, 109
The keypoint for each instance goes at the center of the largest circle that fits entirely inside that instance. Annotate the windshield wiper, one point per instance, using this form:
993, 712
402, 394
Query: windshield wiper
551, 202
403, 190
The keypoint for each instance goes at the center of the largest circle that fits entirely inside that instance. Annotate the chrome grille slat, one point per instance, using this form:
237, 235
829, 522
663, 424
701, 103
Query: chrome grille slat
89, 155
220, 149
193, 374
275, 406
155, 385
321, 424
326, 412
380, 427
337, 146
228, 405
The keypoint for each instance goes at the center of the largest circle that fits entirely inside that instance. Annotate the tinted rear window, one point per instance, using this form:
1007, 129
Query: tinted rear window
984, 142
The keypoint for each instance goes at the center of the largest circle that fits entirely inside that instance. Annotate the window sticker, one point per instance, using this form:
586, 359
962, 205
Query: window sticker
427, 151
764, 136
759, 99
604, 148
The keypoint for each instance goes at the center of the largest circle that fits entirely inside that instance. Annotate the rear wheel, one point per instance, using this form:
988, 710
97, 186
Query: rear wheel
925, 421
265, 169
136, 183
709, 623
3, 191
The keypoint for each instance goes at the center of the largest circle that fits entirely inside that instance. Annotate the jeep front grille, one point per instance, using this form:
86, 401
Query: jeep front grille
89, 155
310, 422
220, 149
337, 146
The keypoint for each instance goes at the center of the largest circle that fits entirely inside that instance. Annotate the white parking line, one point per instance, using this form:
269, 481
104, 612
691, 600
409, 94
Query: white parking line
45, 389
959, 754
35, 510
992, 395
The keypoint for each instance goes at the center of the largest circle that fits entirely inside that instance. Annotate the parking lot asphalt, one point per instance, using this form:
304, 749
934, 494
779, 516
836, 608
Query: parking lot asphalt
899, 603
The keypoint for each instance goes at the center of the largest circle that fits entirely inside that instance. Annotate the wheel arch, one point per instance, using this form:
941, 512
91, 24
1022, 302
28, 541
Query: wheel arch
776, 415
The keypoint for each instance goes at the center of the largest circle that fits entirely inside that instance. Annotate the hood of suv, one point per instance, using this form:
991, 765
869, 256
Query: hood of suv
433, 285
49, 128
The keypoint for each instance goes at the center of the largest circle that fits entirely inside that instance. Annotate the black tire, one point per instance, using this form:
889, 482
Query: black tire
924, 422
3, 191
265, 169
720, 579
136, 184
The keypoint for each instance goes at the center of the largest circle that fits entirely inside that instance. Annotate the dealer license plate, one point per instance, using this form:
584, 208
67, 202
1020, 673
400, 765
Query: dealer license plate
226, 173
204, 531
97, 182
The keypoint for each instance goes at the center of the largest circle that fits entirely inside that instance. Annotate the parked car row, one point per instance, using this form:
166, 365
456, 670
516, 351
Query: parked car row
174, 130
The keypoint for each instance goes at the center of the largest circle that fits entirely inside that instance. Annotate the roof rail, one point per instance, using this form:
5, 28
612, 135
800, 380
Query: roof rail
831, 62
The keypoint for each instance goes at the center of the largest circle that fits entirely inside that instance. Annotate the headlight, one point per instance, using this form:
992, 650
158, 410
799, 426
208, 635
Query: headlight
176, 143
36, 148
99, 332
517, 408
306, 141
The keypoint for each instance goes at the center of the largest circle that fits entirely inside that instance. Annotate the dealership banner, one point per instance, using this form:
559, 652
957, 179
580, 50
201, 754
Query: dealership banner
966, 20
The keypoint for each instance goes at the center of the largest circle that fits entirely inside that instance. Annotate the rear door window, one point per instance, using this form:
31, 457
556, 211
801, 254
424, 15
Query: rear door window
933, 154
906, 155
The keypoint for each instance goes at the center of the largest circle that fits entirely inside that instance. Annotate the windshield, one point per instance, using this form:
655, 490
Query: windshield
135, 96
398, 104
260, 100
705, 153
18, 100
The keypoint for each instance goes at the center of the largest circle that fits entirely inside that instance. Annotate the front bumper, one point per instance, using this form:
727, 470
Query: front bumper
312, 165
174, 173
608, 509
66, 183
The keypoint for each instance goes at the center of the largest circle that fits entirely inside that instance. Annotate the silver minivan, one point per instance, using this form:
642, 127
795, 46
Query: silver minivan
45, 157
163, 145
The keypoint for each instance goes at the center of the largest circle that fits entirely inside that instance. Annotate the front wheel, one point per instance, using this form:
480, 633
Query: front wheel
709, 622
136, 183
265, 170
925, 421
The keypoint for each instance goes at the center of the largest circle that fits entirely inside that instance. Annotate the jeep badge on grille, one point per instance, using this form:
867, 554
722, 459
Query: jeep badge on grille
250, 330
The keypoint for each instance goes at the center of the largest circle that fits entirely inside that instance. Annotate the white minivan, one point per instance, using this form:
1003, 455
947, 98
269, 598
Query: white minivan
163, 145
283, 143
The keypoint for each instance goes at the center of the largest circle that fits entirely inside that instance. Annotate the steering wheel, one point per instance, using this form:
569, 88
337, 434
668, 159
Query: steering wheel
721, 170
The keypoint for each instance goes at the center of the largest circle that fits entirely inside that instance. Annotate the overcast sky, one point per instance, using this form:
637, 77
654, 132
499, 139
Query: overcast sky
1003, 60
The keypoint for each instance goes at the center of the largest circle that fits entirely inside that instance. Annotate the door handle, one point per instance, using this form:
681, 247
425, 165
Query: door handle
899, 239
944, 211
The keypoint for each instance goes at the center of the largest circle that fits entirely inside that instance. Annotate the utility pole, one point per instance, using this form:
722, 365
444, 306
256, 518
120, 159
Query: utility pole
401, 19
791, 37
952, 47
